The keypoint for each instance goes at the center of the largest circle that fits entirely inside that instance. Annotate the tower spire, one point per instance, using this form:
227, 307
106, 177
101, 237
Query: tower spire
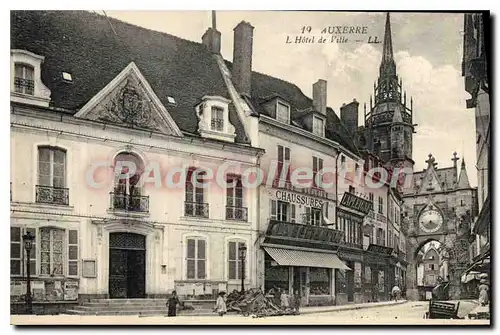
388, 65
214, 20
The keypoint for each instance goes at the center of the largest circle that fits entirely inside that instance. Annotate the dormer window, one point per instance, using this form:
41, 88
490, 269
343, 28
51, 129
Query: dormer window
282, 112
318, 126
26, 80
213, 116
217, 121
23, 79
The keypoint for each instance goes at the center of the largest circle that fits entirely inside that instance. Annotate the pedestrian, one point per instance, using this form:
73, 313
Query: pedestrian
285, 303
296, 301
396, 292
220, 304
483, 292
172, 303
277, 296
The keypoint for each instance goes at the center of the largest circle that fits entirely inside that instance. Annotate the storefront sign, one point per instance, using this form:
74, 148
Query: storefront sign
379, 249
70, 290
298, 199
350, 256
305, 232
359, 204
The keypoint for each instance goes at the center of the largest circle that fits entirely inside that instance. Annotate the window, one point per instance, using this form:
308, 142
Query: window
283, 160
320, 281
372, 200
127, 191
51, 251
24, 79
283, 113
18, 253
234, 199
317, 169
282, 211
217, 120
313, 216
342, 161
73, 253
195, 195
234, 260
352, 189
381, 205
196, 258
51, 167
318, 126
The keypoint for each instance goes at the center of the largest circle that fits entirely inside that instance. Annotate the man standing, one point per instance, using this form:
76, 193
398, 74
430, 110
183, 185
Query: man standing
172, 303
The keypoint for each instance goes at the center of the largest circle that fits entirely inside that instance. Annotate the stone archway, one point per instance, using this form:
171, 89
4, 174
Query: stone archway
449, 243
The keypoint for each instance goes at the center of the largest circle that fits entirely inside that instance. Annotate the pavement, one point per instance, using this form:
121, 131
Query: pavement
385, 313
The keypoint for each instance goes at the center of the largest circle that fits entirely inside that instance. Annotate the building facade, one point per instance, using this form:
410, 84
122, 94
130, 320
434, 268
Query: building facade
476, 79
84, 137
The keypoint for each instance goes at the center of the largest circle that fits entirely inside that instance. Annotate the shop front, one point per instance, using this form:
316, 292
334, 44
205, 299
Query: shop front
379, 273
302, 259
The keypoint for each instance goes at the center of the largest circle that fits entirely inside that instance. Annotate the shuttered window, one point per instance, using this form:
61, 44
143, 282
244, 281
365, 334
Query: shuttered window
234, 261
196, 258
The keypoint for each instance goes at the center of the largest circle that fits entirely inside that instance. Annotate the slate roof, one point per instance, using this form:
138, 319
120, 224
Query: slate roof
84, 44
265, 87
447, 177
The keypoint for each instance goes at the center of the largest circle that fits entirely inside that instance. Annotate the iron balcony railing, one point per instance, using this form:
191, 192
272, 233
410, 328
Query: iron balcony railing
52, 195
22, 85
129, 202
236, 213
196, 209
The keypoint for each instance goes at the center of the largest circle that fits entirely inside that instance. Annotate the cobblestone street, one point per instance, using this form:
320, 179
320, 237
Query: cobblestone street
410, 313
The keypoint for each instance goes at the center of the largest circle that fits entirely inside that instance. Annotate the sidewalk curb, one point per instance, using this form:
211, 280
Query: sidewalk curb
350, 308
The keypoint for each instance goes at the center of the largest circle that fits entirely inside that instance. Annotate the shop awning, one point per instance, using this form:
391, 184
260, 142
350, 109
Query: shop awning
289, 257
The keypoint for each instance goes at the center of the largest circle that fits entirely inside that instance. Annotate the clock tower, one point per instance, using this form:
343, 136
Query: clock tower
389, 124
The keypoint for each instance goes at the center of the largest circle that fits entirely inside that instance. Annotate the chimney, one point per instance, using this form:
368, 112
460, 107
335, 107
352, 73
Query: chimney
349, 116
319, 96
211, 38
242, 57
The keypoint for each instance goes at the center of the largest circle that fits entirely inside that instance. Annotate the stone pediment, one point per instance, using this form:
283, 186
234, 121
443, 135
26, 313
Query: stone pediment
129, 101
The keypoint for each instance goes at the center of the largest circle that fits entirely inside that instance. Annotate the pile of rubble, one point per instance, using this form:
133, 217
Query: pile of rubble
254, 302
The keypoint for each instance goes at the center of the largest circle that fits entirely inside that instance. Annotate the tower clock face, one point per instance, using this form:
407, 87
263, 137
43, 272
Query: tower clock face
430, 221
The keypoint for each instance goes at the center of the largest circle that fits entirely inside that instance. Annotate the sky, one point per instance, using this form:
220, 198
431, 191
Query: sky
427, 50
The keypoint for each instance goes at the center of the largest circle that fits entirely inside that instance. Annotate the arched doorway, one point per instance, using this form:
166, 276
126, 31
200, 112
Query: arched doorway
431, 269
127, 265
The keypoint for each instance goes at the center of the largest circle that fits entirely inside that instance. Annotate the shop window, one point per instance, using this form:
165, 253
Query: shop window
368, 274
275, 276
320, 281
196, 258
234, 261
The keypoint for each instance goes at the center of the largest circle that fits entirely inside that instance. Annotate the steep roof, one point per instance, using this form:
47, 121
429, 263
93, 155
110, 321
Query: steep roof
265, 87
85, 45
463, 179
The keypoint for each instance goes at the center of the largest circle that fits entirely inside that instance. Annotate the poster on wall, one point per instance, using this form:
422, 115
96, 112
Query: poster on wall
71, 290
17, 288
357, 274
54, 291
381, 282
368, 274
38, 290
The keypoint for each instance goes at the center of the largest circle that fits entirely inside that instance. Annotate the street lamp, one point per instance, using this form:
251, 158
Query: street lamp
28, 245
243, 254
